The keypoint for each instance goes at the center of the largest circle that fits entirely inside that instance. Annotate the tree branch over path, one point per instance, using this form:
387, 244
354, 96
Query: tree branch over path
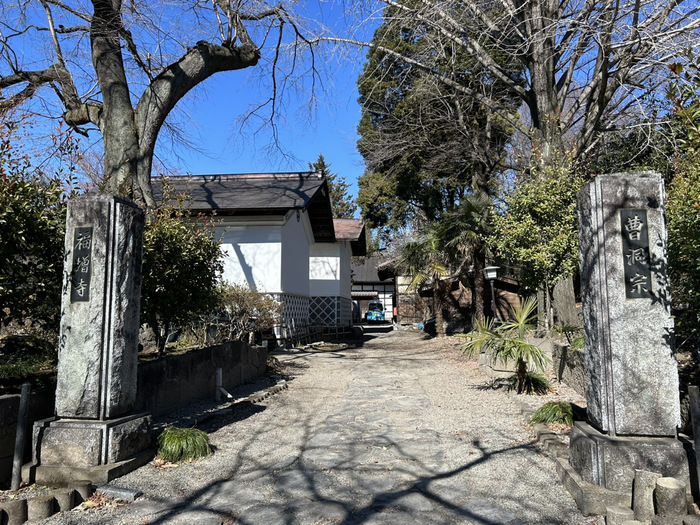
588, 63
143, 58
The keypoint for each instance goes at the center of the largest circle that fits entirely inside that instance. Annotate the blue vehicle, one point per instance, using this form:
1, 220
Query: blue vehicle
375, 312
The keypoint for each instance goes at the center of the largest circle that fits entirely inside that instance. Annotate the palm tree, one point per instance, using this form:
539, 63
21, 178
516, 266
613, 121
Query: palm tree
427, 261
507, 343
463, 232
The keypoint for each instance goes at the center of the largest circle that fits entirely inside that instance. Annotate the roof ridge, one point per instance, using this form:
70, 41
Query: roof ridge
232, 176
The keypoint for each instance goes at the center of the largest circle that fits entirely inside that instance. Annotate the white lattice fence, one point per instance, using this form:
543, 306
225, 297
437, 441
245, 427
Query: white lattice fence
345, 311
324, 311
295, 316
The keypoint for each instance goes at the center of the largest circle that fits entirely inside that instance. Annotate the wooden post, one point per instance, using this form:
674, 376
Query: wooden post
694, 398
20, 437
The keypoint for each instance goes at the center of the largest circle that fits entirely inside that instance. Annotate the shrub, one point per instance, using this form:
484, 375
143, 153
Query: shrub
246, 311
181, 267
554, 412
32, 226
684, 249
183, 444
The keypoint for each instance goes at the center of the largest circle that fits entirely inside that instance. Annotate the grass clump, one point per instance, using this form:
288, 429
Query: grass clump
554, 412
531, 383
183, 444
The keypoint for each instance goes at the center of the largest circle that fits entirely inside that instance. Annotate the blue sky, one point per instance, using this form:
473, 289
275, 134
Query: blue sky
207, 117
331, 130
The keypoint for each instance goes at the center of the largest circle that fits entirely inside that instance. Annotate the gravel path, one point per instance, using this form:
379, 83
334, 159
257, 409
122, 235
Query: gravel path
401, 430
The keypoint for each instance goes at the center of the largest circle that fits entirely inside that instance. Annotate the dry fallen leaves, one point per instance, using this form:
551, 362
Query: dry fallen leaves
161, 464
98, 500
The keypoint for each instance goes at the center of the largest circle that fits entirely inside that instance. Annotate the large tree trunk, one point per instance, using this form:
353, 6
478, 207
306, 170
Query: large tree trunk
165, 91
130, 134
543, 101
117, 118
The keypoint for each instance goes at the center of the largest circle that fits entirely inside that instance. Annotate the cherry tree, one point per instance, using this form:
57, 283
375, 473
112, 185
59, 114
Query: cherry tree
121, 67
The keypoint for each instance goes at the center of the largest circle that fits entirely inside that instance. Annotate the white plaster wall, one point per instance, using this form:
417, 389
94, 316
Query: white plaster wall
296, 238
345, 270
325, 270
253, 255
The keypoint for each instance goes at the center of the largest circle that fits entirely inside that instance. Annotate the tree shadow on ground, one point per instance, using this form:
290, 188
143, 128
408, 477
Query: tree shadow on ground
352, 509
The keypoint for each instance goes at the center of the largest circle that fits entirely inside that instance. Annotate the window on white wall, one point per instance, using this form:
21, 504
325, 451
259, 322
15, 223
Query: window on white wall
324, 268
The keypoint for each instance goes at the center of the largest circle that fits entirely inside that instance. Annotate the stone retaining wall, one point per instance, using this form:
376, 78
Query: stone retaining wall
178, 380
163, 385
568, 366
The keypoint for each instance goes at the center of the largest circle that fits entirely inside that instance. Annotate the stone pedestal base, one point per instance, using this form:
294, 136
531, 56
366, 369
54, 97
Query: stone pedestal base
591, 500
76, 449
610, 462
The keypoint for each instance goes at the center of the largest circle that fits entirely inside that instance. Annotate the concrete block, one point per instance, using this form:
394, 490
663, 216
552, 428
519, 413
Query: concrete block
618, 515
15, 511
119, 493
670, 497
82, 490
89, 443
667, 520
40, 507
61, 475
611, 461
643, 495
590, 499
65, 499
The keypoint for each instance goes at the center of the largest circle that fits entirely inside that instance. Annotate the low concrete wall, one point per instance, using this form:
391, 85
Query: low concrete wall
163, 385
178, 380
568, 366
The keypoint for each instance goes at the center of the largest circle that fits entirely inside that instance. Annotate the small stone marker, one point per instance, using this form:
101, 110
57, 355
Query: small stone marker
669, 497
643, 494
95, 435
630, 368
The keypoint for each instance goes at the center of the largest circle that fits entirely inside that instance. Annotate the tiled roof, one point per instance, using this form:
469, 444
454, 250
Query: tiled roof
365, 271
352, 230
256, 194
246, 191
348, 229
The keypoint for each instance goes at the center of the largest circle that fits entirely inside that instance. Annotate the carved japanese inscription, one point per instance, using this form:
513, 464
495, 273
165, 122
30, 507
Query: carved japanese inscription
82, 265
635, 253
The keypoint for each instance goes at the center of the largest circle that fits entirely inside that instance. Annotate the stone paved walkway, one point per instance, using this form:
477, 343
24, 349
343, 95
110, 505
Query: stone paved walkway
399, 431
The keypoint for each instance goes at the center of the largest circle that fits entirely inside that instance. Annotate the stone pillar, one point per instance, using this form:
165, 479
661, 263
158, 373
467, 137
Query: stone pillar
632, 378
630, 366
94, 435
98, 349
